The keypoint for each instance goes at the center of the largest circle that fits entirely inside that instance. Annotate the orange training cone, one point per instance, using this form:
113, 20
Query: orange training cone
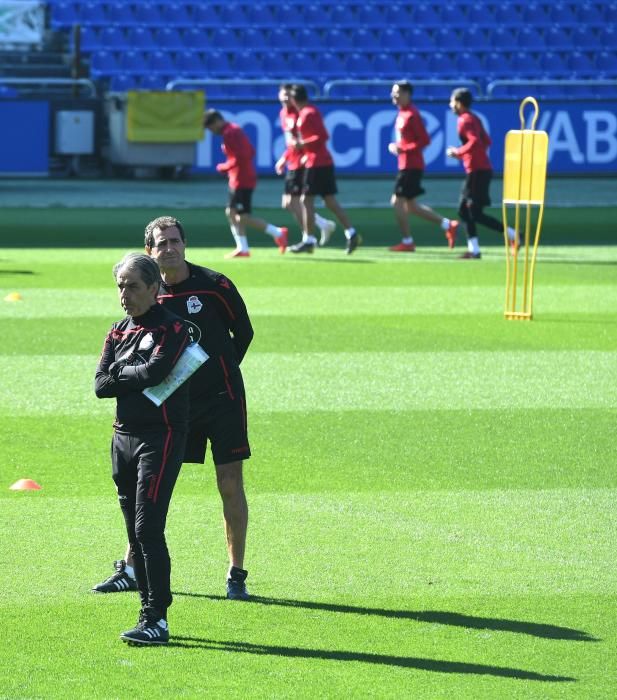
25, 485
13, 296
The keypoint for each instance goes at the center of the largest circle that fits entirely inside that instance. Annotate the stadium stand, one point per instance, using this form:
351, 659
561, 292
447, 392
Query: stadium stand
139, 42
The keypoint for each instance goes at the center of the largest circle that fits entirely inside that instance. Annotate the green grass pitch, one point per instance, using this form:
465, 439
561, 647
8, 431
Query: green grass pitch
432, 488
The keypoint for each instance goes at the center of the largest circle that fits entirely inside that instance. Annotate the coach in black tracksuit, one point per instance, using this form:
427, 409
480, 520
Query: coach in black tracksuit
149, 441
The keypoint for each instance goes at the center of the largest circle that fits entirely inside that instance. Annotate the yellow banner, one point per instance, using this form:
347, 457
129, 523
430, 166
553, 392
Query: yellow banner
165, 117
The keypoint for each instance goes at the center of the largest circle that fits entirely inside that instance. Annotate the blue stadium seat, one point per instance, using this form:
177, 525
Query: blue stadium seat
63, 15
427, 15
608, 38
261, 15
153, 81
141, 38
480, 14
134, 62
205, 15
196, 38
414, 64
477, 39
440, 64
504, 38
364, 40
536, 14
563, 14
190, 64
531, 38
385, 65
339, 16
453, 15
276, 65
234, 15
610, 13
418, 39
553, 65
103, 63
223, 38
336, 39
370, 15
584, 38
121, 13
170, 39
557, 39
330, 65
254, 38
497, 65
524, 65
123, 82
93, 14
282, 39
447, 39
90, 39
176, 15
113, 38
358, 65
288, 15
399, 15
160, 62
218, 64
507, 15
606, 63
148, 15
248, 64
590, 13
309, 38
392, 40
469, 65
306, 65
581, 65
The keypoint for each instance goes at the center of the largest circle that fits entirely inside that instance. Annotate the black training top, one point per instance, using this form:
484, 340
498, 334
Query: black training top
138, 353
218, 321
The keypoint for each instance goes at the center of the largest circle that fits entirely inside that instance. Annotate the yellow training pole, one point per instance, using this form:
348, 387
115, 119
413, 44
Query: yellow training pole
524, 183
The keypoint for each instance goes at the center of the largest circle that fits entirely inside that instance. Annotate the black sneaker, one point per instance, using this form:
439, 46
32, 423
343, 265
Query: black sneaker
236, 585
147, 632
353, 243
302, 247
118, 582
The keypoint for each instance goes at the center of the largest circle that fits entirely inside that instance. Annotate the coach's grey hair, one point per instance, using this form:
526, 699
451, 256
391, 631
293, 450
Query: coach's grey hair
143, 264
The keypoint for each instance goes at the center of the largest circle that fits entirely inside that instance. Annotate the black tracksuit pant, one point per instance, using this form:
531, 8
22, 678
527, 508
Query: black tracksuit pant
145, 468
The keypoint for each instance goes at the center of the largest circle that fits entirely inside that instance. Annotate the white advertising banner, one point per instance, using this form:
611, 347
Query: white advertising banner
21, 22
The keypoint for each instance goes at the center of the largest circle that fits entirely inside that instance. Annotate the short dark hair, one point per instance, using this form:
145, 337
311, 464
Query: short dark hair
298, 92
286, 86
405, 86
161, 222
143, 264
462, 95
212, 116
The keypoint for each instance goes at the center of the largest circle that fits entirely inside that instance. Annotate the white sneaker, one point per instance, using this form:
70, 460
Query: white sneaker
326, 232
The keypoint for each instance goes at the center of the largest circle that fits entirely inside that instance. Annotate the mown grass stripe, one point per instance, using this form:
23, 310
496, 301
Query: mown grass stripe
39, 384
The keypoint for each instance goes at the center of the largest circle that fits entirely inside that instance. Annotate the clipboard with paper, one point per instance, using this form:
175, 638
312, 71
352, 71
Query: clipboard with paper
190, 361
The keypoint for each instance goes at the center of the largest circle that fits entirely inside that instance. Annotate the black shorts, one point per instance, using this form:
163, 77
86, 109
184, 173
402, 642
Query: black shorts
221, 418
240, 200
319, 181
407, 184
294, 181
475, 189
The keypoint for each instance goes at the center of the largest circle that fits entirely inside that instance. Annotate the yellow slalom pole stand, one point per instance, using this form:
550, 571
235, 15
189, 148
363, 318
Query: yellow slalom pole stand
524, 183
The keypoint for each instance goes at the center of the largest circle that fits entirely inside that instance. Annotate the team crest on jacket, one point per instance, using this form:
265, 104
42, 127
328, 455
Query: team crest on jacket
193, 305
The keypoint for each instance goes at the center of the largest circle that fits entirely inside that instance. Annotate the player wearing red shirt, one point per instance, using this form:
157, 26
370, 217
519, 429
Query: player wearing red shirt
290, 163
242, 178
411, 140
319, 177
474, 155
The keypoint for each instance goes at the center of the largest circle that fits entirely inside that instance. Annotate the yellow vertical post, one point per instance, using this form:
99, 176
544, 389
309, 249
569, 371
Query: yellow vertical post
524, 184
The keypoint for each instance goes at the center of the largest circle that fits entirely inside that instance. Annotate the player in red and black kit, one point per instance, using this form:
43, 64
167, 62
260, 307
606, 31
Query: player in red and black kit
290, 164
218, 320
149, 441
474, 154
319, 177
242, 181
411, 139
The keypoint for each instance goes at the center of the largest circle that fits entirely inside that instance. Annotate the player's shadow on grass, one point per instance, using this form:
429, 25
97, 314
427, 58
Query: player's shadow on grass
435, 665
435, 617
16, 272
